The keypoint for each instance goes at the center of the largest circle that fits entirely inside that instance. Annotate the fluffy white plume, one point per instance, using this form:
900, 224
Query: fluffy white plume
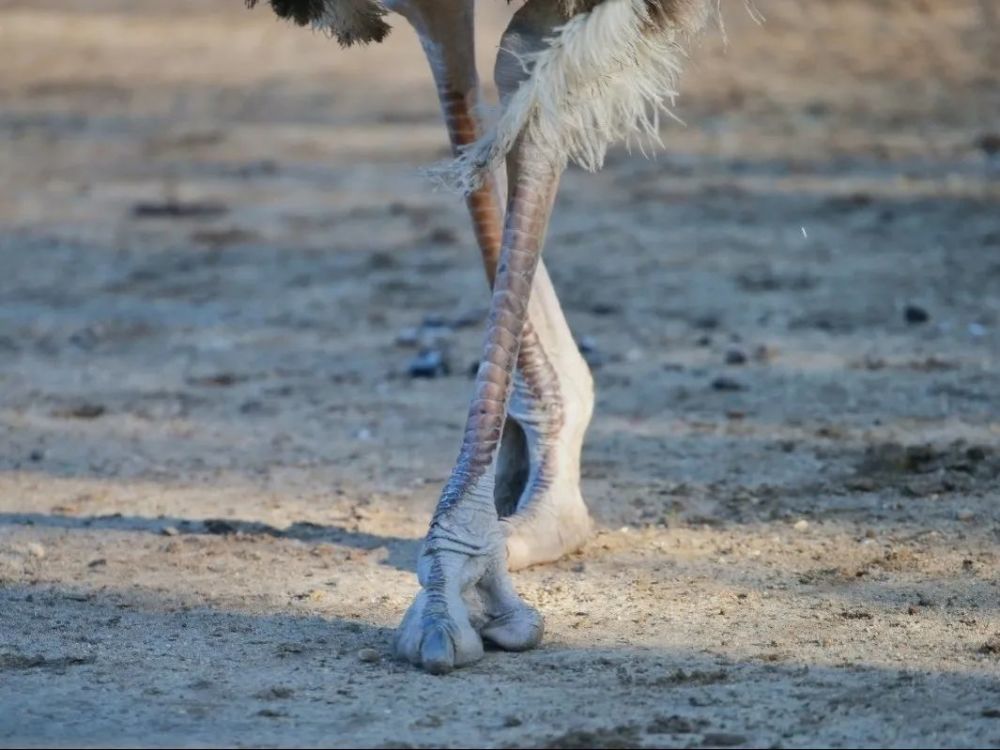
607, 74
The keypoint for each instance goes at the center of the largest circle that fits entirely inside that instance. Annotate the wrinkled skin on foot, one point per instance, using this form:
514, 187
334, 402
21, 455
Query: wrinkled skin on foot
467, 596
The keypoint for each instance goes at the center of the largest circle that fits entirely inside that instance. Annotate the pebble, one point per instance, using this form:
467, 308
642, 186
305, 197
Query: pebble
605, 308
735, 357
723, 739
989, 143
36, 550
723, 383
408, 337
965, 515
915, 314
591, 354
801, 525
368, 655
430, 363
84, 411
169, 531
470, 318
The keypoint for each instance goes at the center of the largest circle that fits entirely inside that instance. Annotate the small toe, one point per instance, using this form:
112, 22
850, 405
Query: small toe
518, 630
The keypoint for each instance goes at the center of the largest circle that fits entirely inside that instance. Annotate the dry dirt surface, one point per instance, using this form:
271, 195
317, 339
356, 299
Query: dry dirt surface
218, 260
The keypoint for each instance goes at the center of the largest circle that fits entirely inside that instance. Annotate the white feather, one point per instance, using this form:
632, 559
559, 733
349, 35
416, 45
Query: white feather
606, 74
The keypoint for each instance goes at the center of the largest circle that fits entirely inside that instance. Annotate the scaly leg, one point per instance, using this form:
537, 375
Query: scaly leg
537, 488
467, 592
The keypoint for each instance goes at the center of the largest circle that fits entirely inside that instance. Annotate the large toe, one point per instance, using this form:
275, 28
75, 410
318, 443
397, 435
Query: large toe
436, 642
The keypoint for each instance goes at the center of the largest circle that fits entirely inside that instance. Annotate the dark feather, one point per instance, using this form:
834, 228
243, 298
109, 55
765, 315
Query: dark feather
368, 26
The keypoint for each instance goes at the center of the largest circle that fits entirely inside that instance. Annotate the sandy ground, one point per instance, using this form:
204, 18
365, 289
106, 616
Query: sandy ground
215, 468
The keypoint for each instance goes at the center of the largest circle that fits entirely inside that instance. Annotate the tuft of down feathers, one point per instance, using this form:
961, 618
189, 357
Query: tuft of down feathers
349, 21
608, 73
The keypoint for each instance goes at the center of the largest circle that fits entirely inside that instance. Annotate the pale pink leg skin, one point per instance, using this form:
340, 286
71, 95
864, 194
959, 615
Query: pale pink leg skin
467, 594
538, 469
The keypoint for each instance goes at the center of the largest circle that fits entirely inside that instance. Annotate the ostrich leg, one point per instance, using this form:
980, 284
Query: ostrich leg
467, 592
537, 486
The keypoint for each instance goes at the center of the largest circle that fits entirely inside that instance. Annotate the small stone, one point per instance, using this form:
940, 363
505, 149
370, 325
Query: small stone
801, 525
672, 725
605, 308
430, 363
989, 143
36, 550
861, 484
368, 655
408, 337
723, 739
252, 407
83, 411
169, 531
965, 515
270, 713
36, 455
276, 693
723, 383
735, 357
470, 318
975, 454
591, 354
98, 563
442, 236
914, 314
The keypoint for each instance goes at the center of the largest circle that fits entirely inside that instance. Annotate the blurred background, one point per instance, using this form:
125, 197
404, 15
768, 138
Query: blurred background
237, 326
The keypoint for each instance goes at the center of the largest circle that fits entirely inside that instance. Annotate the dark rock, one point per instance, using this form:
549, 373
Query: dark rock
605, 308
989, 143
722, 383
588, 348
723, 739
915, 314
174, 209
83, 411
429, 363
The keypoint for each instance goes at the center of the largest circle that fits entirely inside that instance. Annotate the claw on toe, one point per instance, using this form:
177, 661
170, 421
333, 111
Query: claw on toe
437, 632
437, 652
